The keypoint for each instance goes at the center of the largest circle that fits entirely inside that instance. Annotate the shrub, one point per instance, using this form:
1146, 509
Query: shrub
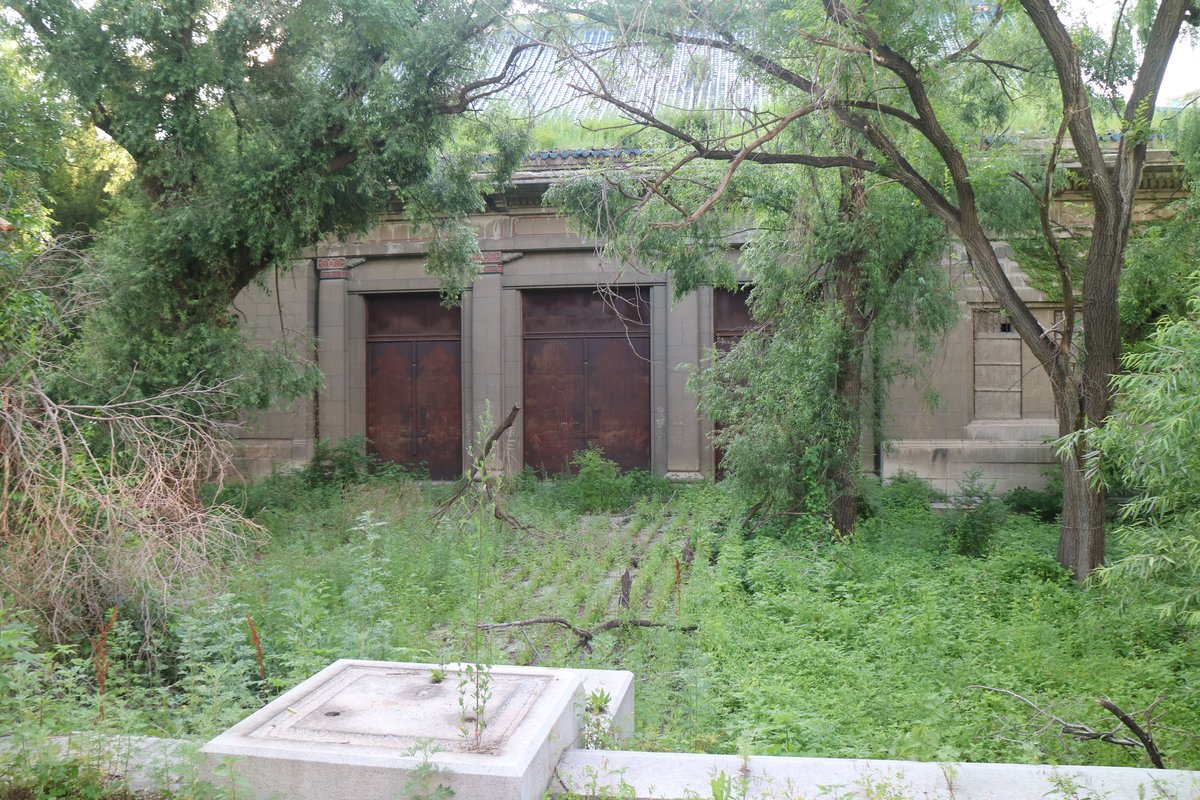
342, 464
907, 490
598, 485
974, 518
1045, 503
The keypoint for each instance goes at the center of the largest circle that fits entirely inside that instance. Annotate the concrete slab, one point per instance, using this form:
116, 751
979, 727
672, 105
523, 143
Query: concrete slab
366, 730
677, 776
618, 685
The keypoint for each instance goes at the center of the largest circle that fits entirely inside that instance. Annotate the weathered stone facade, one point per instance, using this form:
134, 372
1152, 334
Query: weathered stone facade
994, 409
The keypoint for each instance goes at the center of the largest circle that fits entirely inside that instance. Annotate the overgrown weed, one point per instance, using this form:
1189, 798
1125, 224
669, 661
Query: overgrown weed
859, 649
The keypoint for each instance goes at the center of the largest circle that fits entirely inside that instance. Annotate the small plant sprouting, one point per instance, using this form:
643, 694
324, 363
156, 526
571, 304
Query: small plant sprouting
437, 674
474, 691
100, 651
423, 778
598, 701
475, 677
597, 730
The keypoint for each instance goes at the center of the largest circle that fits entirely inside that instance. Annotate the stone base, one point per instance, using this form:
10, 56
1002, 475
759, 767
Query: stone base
371, 730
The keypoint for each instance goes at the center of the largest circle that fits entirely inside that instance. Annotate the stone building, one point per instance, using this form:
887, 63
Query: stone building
609, 368
598, 353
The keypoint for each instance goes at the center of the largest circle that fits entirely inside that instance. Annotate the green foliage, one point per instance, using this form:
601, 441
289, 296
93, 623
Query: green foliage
974, 518
1045, 503
1154, 282
598, 485
53, 779
826, 270
338, 465
1152, 444
256, 132
784, 430
903, 491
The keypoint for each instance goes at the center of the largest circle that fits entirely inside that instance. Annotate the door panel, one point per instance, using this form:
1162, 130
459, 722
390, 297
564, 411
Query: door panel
554, 402
414, 383
587, 377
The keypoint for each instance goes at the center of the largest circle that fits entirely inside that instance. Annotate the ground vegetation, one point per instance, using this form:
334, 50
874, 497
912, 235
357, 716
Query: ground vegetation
778, 642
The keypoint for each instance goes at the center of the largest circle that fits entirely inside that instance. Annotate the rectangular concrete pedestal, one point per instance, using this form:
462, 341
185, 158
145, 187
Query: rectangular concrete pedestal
359, 730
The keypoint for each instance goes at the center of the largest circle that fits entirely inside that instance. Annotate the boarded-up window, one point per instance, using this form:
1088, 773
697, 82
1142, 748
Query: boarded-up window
586, 376
414, 383
998, 367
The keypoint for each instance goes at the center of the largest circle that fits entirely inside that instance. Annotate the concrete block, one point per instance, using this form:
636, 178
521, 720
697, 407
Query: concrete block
357, 730
675, 776
618, 684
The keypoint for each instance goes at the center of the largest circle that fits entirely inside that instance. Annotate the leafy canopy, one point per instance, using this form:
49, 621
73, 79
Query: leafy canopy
257, 128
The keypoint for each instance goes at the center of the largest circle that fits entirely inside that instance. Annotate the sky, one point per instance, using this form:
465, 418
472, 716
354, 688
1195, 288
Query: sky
1183, 71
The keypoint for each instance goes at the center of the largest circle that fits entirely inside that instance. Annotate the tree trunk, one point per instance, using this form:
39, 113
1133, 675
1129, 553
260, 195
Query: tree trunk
845, 475
849, 289
1081, 540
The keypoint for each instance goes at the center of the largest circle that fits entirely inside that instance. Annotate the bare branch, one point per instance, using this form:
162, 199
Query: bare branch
1141, 733
1086, 733
971, 46
734, 162
586, 635
486, 87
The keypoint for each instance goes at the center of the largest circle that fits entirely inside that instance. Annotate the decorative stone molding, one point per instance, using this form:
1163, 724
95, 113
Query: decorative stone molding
332, 269
493, 261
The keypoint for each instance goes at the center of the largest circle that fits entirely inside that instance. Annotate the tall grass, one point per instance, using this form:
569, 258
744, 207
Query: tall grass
864, 649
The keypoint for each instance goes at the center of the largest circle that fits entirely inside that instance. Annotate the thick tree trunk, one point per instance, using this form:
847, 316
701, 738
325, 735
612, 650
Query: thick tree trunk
1082, 537
845, 475
1081, 542
849, 288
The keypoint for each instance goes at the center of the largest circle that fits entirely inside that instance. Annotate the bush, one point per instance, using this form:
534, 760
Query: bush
974, 518
339, 465
1045, 503
598, 485
908, 490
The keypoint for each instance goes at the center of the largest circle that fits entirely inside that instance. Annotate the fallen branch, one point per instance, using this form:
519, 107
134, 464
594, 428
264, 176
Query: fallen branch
585, 634
1086, 733
478, 474
1141, 733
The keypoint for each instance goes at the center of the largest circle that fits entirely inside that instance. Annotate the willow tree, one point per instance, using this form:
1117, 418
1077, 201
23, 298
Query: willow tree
839, 265
911, 83
257, 128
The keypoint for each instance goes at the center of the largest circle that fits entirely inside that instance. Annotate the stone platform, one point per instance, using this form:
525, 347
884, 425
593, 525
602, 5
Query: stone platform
367, 730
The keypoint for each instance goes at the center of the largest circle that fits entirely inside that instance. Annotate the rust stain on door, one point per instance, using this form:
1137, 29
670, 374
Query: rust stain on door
586, 376
414, 383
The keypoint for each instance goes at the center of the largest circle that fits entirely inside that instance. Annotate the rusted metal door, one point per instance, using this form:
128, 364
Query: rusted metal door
731, 320
414, 383
587, 376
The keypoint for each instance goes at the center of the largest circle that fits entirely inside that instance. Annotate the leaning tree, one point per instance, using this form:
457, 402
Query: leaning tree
911, 84
257, 128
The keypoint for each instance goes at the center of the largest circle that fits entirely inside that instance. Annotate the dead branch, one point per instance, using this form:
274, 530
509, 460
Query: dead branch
1087, 733
480, 474
1143, 734
100, 504
585, 634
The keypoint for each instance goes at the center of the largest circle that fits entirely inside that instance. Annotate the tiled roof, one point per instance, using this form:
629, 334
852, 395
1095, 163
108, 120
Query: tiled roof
685, 78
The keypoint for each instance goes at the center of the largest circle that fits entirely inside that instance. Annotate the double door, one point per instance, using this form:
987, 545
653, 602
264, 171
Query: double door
414, 383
